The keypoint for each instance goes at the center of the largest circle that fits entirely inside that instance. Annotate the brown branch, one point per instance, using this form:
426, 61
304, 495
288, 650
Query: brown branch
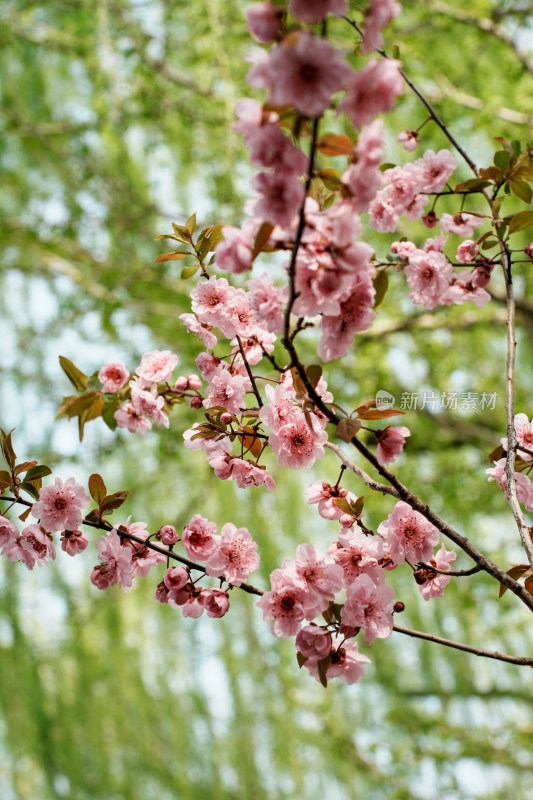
511, 491
367, 480
106, 526
250, 373
477, 651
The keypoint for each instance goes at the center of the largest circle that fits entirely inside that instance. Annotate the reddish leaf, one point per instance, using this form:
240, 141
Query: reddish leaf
333, 144
97, 488
171, 257
347, 429
380, 413
78, 379
515, 572
261, 239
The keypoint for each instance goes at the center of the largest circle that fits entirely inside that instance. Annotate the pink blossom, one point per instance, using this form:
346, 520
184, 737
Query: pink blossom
143, 557
254, 347
234, 253
314, 10
36, 546
409, 535
524, 436
380, 13
8, 532
284, 604
264, 21
390, 443
280, 197
226, 390
357, 554
128, 417
235, 556
239, 319
304, 71
416, 207
216, 602
409, 140
270, 148
462, 224
203, 332
435, 244
208, 365
199, 538
267, 301
280, 408
74, 542
246, 474
161, 593
157, 366
222, 464
59, 506
524, 487
462, 290
356, 315
175, 578
480, 275
325, 495
296, 446
467, 250
194, 606
346, 662
115, 563
384, 215
431, 584
435, 170
529, 250
313, 641
209, 300
321, 578
372, 91
113, 376
403, 249
428, 275
167, 534
148, 403
369, 606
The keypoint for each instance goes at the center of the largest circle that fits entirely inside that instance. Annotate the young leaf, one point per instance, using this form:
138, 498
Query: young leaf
7, 448
37, 472
176, 256
323, 665
357, 507
344, 505
78, 379
333, 144
190, 225
115, 500
515, 573
381, 283
30, 488
300, 659
261, 239
521, 189
520, 221
188, 272
314, 373
380, 413
347, 429
97, 488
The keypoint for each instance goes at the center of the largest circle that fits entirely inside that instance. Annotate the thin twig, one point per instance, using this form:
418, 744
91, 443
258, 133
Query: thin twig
477, 651
367, 480
250, 373
431, 111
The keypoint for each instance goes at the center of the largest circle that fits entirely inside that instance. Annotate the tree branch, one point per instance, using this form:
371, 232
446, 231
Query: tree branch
477, 651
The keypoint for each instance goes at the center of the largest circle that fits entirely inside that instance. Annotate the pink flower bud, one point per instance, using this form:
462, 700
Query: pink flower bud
182, 384
216, 602
196, 401
529, 251
194, 382
313, 642
226, 418
409, 140
167, 534
264, 21
346, 521
176, 578
161, 593
430, 219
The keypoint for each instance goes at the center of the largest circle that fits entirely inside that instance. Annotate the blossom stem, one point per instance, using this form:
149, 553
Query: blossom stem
250, 373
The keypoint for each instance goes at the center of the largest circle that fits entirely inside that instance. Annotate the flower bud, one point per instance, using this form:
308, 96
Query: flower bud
196, 401
176, 577
398, 607
167, 534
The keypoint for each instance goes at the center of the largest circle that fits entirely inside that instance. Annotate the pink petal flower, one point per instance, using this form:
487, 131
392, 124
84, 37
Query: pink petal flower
409, 535
113, 376
390, 443
59, 506
157, 366
235, 556
199, 538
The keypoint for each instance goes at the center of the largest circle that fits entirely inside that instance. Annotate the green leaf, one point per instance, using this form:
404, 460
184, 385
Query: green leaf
97, 488
30, 489
344, 505
502, 159
521, 189
115, 500
314, 373
176, 256
108, 415
520, 221
182, 234
358, 507
37, 472
190, 225
301, 659
7, 448
323, 665
78, 379
331, 178
472, 185
263, 235
381, 283
188, 272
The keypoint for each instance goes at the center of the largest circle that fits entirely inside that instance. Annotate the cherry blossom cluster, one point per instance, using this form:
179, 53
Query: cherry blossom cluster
306, 587
230, 556
524, 485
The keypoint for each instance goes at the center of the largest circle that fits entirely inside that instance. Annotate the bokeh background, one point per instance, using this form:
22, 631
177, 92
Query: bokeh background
115, 121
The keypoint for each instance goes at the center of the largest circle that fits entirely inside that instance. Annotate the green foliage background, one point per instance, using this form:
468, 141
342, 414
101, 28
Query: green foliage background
115, 121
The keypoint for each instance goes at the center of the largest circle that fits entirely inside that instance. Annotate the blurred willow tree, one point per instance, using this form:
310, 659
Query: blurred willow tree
115, 120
